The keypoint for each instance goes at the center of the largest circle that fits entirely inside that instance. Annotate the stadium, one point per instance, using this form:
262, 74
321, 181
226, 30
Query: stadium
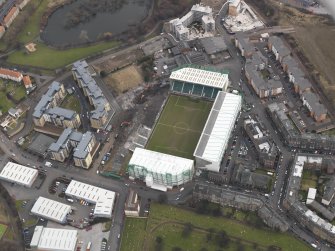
190, 126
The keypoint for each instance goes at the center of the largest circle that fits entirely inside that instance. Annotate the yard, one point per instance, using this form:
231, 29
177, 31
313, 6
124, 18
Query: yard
309, 180
71, 102
167, 224
10, 92
180, 125
124, 79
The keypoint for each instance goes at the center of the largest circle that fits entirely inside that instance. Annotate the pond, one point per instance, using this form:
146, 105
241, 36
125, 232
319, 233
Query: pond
90, 20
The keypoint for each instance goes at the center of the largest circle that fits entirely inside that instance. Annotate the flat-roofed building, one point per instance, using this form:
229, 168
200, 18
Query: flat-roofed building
103, 199
159, 170
216, 133
19, 174
51, 209
132, 205
54, 239
198, 81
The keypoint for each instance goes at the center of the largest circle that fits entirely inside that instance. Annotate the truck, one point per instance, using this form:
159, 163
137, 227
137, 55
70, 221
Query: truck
48, 164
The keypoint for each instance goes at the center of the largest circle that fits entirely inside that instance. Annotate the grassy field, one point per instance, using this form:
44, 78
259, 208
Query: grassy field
167, 222
3, 229
133, 234
124, 79
32, 28
180, 125
50, 58
71, 102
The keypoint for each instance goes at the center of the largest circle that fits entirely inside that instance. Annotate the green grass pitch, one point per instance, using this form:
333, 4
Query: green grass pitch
180, 125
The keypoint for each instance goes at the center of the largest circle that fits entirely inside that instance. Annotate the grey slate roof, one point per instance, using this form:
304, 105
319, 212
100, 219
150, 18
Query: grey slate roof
81, 150
80, 68
279, 45
313, 101
62, 140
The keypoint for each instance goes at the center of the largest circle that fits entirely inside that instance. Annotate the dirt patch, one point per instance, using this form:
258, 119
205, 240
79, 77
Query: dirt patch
214, 4
124, 79
116, 62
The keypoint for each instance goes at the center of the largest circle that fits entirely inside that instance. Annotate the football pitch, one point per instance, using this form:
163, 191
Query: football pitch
180, 125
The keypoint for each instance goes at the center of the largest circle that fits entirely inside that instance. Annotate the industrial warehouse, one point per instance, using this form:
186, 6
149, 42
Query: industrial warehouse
51, 210
19, 174
54, 239
102, 198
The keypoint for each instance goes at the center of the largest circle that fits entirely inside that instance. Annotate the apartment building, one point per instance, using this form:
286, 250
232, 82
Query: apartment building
244, 45
277, 46
83, 75
317, 110
198, 13
82, 146
48, 110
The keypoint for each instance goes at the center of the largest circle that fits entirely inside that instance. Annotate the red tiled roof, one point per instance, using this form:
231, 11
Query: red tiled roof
10, 14
8, 72
2, 29
26, 80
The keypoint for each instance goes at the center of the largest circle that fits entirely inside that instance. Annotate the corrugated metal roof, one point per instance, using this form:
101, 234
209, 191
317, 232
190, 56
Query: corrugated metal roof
19, 174
202, 77
51, 209
55, 239
160, 162
216, 133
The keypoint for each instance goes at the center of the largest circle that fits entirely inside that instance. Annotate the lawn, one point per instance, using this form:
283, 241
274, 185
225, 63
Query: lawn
32, 28
180, 125
167, 222
71, 102
49, 58
133, 234
17, 91
3, 229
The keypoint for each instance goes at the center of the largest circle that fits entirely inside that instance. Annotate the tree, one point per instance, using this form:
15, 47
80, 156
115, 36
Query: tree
222, 239
159, 244
187, 230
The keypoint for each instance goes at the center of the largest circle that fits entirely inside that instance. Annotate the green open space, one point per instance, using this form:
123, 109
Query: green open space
167, 222
309, 180
71, 102
50, 58
180, 125
3, 229
133, 234
32, 28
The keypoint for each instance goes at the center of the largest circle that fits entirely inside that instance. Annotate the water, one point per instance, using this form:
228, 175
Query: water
56, 33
